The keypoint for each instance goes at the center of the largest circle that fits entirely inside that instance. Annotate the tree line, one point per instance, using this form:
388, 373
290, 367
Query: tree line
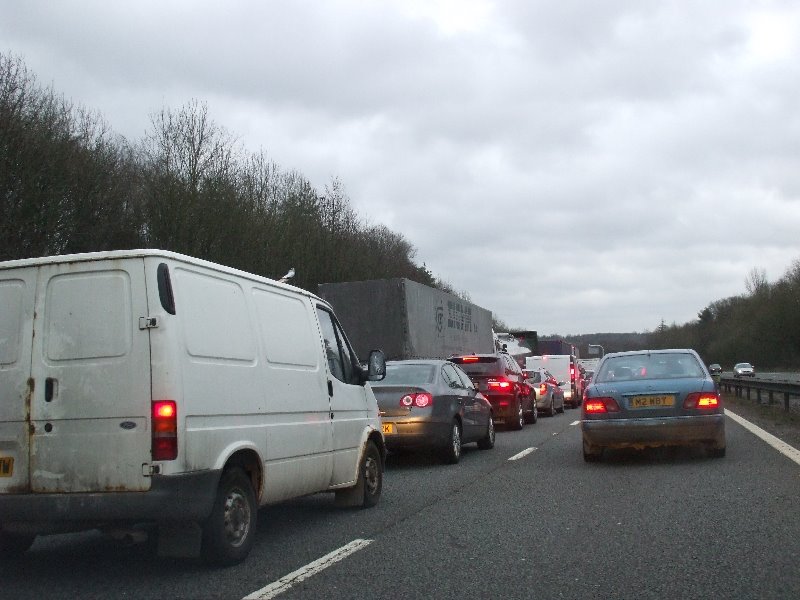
761, 326
69, 184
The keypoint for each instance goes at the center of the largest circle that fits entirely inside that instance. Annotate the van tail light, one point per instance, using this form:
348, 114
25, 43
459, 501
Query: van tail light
420, 400
596, 406
165, 430
572, 373
702, 400
499, 385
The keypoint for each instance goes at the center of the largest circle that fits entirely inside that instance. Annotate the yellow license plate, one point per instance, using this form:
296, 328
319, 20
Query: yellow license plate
387, 427
652, 401
6, 466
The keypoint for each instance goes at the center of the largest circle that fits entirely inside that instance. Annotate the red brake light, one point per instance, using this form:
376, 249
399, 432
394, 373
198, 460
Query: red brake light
420, 400
543, 389
703, 400
499, 385
572, 373
469, 359
164, 440
600, 405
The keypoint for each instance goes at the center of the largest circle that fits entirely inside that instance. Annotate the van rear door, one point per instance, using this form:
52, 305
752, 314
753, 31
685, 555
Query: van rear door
90, 409
17, 291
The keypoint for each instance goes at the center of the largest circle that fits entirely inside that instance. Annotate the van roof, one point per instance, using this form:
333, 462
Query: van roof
146, 253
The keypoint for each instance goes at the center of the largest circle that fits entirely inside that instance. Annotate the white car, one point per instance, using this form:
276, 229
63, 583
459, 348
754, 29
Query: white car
744, 370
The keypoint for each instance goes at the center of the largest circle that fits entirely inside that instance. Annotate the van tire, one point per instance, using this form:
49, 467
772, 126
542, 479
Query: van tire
229, 532
15, 544
371, 475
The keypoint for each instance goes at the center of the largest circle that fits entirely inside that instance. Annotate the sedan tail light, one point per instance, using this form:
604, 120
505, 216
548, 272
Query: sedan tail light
499, 385
702, 400
420, 400
543, 389
596, 406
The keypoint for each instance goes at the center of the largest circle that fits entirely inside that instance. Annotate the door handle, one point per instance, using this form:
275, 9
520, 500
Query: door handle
330, 388
50, 388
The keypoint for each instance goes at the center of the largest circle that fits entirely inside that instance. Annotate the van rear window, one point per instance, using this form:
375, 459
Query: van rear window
11, 293
94, 325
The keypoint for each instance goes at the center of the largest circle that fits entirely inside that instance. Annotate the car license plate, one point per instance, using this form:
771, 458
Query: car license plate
6, 466
388, 427
653, 401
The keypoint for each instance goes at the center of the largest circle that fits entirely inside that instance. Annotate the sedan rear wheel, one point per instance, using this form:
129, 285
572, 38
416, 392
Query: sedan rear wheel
487, 443
452, 452
552, 411
591, 453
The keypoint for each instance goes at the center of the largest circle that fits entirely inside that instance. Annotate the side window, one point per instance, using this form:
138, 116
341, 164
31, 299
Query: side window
465, 380
341, 359
451, 377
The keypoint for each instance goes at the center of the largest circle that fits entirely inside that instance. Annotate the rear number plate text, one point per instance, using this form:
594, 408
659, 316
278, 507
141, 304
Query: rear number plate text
652, 401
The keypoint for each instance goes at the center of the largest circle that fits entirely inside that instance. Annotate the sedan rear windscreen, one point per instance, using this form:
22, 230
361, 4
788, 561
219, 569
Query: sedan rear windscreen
649, 366
407, 375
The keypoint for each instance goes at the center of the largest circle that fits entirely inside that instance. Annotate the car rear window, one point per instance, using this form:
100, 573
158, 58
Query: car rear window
649, 366
535, 377
479, 365
407, 374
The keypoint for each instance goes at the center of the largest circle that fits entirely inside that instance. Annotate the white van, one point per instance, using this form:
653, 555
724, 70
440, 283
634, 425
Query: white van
563, 368
146, 386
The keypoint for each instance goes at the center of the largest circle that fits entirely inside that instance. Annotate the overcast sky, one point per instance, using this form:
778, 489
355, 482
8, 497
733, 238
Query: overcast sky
575, 166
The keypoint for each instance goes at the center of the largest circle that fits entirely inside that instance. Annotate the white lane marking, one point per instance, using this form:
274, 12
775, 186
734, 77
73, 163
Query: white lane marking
284, 583
522, 454
575, 423
789, 451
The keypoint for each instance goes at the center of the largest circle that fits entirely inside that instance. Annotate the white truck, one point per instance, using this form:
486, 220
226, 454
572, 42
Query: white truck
146, 386
563, 367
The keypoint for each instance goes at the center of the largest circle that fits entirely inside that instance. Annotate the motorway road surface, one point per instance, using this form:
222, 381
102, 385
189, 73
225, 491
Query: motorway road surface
654, 524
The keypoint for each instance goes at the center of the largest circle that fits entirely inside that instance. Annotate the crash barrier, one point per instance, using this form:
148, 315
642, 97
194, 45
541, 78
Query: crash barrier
740, 386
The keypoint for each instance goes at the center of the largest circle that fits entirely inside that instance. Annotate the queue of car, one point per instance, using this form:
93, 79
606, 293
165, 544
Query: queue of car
437, 406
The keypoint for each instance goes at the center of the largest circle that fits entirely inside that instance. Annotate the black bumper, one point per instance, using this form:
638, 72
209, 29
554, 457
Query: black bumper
187, 497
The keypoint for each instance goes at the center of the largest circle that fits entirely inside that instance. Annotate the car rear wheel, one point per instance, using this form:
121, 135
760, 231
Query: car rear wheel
561, 410
519, 422
533, 415
452, 452
591, 453
552, 411
487, 443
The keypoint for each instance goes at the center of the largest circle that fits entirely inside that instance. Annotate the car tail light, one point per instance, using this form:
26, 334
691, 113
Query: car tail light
596, 406
469, 359
572, 373
499, 385
164, 444
420, 400
543, 389
702, 400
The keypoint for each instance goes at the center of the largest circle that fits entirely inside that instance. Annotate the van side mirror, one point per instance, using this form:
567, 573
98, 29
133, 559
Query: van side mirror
376, 366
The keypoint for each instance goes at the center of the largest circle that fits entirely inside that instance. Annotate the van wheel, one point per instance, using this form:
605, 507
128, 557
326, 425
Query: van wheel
487, 443
14, 544
452, 452
229, 532
371, 474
